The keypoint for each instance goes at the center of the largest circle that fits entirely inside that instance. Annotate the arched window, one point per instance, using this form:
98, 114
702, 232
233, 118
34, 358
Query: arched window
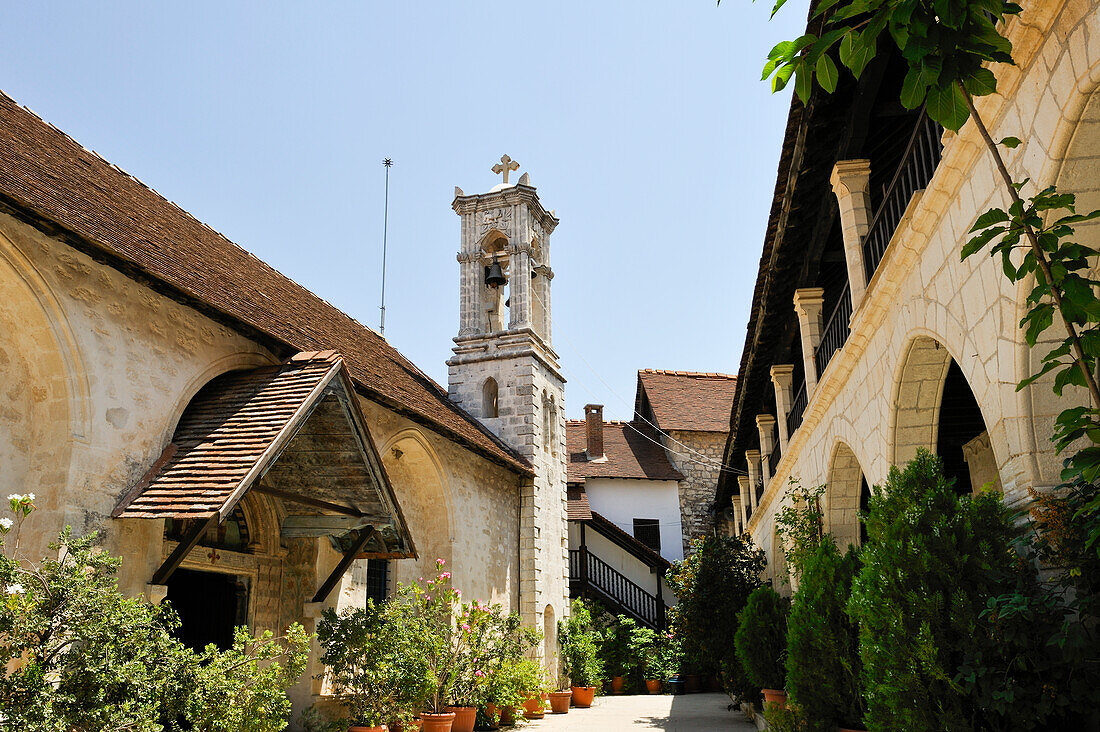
489, 398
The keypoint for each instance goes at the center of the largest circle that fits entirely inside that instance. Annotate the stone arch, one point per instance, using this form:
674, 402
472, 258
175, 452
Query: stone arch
844, 496
422, 489
494, 242
490, 394
934, 408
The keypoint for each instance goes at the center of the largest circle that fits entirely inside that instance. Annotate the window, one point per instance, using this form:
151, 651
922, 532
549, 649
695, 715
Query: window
378, 571
489, 398
648, 531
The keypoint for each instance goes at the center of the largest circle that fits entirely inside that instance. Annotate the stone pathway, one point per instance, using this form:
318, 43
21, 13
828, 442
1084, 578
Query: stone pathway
684, 713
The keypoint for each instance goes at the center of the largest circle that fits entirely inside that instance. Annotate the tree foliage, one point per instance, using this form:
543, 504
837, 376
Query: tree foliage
761, 638
580, 645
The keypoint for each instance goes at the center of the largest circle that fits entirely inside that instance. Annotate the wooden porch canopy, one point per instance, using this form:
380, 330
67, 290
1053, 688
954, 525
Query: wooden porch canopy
292, 431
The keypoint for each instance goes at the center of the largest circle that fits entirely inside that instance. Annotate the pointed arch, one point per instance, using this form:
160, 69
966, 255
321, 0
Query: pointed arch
490, 395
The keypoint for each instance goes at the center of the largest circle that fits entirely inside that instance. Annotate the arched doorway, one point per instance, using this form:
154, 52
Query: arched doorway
935, 409
846, 494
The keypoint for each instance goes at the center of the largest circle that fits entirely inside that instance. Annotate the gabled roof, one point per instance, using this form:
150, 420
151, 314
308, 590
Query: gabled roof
687, 400
293, 431
50, 181
629, 452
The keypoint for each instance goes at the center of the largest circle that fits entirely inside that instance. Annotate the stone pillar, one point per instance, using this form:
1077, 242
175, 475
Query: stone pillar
752, 457
469, 296
765, 426
743, 483
782, 378
851, 183
519, 289
808, 302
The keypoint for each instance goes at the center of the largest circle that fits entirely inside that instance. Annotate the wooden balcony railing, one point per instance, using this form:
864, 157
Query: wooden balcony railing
798, 406
919, 162
836, 331
773, 459
591, 575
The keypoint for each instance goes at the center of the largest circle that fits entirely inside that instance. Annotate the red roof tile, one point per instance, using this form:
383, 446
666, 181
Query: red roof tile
576, 505
629, 452
51, 181
687, 400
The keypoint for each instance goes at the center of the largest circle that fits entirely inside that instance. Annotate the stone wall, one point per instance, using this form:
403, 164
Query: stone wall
700, 478
868, 404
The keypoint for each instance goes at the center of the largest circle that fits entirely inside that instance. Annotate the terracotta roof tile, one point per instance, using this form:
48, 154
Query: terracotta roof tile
687, 400
53, 182
629, 454
576, 506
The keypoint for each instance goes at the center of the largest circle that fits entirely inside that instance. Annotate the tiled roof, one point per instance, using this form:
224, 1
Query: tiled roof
687, 400
52, 182
291, 430
576, 505
630, 454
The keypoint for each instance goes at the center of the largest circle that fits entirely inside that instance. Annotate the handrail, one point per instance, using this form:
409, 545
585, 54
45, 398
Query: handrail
615, 586
836, 331
918, 164
798, 406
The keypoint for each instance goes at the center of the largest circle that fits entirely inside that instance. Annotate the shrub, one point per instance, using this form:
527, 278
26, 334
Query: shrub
615, 645
823, 667
579, 641
761, 638
712, 586
932, 562
800, 523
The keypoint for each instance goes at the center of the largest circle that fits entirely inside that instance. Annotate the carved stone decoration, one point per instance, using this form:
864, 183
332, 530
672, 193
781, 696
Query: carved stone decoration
978, 454
499, 219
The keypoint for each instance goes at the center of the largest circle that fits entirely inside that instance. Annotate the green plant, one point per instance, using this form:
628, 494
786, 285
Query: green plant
932, 562
510, 677
761, 638
800, 523
519, 680
375, 669
785, 719
243, 689
823, 666
579, 642
668, 656
615, 646
643, 649
712, 586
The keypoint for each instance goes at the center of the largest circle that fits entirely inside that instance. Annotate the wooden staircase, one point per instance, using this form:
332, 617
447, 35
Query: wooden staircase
590, 576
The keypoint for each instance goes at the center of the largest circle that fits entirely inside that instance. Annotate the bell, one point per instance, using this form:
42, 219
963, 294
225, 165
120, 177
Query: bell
494, 275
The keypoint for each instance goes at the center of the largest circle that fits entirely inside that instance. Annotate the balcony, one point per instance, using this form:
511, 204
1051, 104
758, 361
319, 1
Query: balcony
836, 331
798, 406
773, 459
918, 163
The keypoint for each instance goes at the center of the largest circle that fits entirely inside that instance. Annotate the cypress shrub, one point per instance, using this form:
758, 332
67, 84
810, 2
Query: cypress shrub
823, 667
761, 638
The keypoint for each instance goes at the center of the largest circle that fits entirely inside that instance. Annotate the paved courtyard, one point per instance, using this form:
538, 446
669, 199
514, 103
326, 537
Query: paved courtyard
686, 713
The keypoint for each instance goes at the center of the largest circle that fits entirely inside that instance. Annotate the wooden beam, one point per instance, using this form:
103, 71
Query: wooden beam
314, 526
181, 551
345, 562
306, 501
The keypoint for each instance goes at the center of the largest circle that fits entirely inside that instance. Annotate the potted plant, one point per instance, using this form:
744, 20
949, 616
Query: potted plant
579, 642
532, 678
761, 642
643, 647
372, 665
508, 681
615, 650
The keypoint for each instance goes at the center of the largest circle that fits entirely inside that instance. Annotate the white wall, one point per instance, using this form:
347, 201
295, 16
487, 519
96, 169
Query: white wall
621, 560
621, 501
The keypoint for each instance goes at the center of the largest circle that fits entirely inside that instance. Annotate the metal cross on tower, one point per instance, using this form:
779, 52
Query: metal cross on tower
505, 165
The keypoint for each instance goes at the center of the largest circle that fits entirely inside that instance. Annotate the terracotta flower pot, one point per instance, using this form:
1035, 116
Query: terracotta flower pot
465, 718
616, 684
775, 696
534, 707
507, 716
653, 686
493, 713
559, 702
436, 722
361, 728
583, 695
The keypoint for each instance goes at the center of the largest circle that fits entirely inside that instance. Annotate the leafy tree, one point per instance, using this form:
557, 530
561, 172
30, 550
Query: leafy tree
801, 524
761, 638
823, 666
712, 586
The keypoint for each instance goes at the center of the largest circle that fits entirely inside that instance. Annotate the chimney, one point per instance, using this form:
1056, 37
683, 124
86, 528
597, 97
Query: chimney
593, 430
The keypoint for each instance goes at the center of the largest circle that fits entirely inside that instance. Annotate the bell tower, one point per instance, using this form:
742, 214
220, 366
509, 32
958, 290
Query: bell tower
505, 372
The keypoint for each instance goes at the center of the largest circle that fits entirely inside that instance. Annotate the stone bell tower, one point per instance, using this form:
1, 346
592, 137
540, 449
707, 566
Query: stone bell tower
505, 372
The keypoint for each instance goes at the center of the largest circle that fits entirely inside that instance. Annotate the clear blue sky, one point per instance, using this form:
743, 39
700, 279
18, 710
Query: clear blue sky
644, 124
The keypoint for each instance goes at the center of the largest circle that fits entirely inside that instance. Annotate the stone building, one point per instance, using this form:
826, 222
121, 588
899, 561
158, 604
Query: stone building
869, 337
249, 450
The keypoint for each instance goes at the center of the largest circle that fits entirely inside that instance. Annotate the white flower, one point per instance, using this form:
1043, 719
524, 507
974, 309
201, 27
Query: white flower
15, 497
30, 496
15, 589
6, 523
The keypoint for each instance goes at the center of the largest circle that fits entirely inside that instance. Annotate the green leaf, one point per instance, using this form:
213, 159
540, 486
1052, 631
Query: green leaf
947, 106
822, 6
916, 83
1010, 142
990, 217
977, 243
827, 74
782, 76
803, 82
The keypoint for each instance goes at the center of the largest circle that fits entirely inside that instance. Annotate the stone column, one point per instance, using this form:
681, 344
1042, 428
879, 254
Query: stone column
808, 302
851, 183
782, 376
469, 297
519, 289
765, 426
743, 483
752, 457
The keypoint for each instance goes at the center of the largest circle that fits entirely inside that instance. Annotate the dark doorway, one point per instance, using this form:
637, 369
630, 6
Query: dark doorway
210, 606
960, 422
864, 507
